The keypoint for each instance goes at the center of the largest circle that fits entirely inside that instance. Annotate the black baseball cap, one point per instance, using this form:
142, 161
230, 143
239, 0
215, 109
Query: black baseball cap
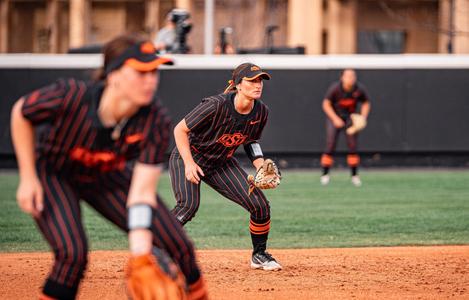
141, 57
251, 72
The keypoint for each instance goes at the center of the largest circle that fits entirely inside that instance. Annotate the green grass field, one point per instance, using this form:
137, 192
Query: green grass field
398, 207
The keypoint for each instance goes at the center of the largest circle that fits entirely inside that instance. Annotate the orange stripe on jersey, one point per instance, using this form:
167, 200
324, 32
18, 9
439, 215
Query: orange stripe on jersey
353, 160
327, 160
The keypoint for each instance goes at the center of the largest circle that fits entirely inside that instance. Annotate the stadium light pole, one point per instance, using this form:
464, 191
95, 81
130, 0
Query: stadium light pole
209, 14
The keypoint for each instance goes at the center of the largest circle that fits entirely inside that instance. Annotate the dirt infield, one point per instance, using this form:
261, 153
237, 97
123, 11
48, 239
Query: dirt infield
357, 273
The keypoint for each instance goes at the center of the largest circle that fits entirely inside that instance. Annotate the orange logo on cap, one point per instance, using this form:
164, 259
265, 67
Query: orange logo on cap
255, 68
147, 47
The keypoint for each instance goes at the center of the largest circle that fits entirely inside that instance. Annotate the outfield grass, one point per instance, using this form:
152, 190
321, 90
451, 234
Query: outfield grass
391, 208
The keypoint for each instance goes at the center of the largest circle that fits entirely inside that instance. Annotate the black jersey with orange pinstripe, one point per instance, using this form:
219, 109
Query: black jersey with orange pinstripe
346, 102
75, 140
217, 129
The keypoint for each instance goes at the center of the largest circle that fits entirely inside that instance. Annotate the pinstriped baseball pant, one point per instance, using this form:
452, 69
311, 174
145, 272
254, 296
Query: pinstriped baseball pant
61, 225
332, 135
230, 180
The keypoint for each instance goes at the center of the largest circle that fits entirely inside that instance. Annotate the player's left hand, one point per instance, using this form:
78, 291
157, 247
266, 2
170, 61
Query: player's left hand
358, 124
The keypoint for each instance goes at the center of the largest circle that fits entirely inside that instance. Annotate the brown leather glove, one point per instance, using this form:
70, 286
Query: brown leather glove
150, 277
267, 177
358, 124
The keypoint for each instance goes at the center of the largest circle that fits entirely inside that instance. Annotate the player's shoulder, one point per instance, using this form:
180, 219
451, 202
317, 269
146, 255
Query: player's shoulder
217, 99
333, 90
334, 86
156, 110
360, 86
72, 83
59, 88
61, 84
262, 105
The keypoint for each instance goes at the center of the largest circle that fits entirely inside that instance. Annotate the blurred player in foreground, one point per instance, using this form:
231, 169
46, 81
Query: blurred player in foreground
341, 108
104, 142
206, 140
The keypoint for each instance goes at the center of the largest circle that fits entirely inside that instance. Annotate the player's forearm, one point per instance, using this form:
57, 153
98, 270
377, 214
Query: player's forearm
365, 110
22, 133
142, 191
328, 110
181, 136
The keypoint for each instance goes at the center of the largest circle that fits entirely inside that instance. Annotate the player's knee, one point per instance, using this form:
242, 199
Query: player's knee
260, 210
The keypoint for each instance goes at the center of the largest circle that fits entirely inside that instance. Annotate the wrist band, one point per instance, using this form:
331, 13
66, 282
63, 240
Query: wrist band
140, 216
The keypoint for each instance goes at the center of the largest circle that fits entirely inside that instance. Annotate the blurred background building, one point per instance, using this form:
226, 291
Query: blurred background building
320, 26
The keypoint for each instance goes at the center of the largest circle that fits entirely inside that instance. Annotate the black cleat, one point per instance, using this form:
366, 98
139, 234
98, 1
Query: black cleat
264, 260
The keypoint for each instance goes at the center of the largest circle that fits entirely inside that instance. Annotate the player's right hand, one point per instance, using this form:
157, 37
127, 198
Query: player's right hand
193, 172
338, 123
30, 196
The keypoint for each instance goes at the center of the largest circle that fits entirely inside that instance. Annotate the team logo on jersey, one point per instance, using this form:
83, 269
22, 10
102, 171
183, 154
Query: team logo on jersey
104, 160
348, 104
232, 139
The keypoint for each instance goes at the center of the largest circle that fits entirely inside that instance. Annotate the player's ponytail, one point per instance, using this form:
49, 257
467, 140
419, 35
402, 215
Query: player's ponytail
231, 87
235, 78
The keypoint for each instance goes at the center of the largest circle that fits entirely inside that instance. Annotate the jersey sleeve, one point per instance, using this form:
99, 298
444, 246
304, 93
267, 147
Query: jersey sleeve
43, 105
363, 94
331, 92
201, 114
154, 151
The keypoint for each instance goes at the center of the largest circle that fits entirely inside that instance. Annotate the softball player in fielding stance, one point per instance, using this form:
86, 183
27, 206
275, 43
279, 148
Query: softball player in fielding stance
205, 142
341, 100
102, 142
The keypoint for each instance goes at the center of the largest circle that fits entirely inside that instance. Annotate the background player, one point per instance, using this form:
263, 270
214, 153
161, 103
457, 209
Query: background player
205, 142
103, 142
342, 99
